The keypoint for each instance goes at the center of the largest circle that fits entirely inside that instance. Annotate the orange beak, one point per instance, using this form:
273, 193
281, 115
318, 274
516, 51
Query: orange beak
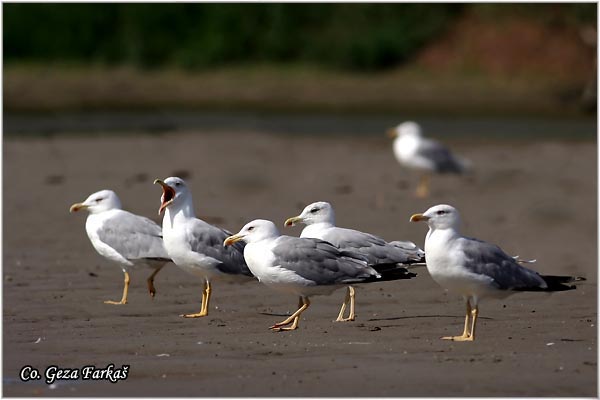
76, 207
232, 239
292, 221
418, 217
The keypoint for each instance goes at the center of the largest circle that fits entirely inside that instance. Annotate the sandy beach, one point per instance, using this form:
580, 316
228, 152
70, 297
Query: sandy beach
534, 198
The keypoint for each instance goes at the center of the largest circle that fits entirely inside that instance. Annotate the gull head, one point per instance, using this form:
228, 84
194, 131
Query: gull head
254, 231
98, 202
321, 211
175, 192
405, 129
441, 216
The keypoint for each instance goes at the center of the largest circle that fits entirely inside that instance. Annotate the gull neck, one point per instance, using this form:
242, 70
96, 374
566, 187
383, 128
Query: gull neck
182, 211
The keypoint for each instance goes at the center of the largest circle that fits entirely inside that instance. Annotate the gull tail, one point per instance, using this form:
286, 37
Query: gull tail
554, 283
465, 165
558, 283
413, 252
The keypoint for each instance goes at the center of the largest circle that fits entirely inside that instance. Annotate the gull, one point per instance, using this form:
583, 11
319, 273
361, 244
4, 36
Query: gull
302, 266
122, 237
196, 246
476, 269
414, 151
319, 219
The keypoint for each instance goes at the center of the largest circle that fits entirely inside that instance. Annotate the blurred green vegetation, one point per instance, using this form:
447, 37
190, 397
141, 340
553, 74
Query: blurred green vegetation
297, 56
343, 36
347, 36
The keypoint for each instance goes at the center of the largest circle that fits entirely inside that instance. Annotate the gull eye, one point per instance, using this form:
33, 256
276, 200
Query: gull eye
98, 200
250, 228
441, 212
177, 183
314, 210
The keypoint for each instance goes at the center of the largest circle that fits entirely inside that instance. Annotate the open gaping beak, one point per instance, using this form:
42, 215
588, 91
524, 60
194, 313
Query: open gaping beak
77, 206
391, 133
418, 217
292, 221
167, 197
232, 239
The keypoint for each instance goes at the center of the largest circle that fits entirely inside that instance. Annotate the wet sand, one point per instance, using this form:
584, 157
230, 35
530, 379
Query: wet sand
536, 199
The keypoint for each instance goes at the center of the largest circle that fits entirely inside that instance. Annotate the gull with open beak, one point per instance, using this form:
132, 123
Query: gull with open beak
301, 266
319, 219
414, 151
122, 237
196, 246
475, 269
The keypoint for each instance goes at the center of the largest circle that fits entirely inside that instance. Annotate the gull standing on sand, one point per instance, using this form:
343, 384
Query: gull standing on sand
302, 266
476, 269
414, 151
122, 237
196, 246
319, 219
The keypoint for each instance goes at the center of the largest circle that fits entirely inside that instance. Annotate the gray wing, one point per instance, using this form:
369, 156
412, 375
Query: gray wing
488, 259
377, 250
442, 158
208, 240
134, 237
320, 261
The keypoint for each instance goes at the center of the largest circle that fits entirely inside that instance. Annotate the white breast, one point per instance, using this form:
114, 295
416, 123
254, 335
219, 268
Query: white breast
406, 152
446, 265
177, 241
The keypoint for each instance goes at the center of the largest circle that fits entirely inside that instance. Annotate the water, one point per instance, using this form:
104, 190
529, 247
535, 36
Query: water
496, 127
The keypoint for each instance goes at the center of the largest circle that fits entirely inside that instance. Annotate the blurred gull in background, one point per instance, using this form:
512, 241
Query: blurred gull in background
426, 155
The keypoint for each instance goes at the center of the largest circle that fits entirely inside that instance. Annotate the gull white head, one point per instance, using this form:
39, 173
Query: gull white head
406, 129
441, 216
314, 213
175, 195
98, 202
254, 231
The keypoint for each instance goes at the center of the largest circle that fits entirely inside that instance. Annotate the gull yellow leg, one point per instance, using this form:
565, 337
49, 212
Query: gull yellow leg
207, 292
423, 188
150, 281
466, 334
303, 304
474, 314
349, 299
125, 291
289, 319
204, 307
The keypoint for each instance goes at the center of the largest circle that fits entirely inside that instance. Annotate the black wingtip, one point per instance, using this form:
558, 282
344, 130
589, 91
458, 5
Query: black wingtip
554, 283
394, 274
557, 283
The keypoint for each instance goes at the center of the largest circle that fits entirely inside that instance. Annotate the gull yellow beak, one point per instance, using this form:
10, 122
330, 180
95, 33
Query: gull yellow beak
76, 207
391, 133
232, 239
418, 217
292, 221
167, 197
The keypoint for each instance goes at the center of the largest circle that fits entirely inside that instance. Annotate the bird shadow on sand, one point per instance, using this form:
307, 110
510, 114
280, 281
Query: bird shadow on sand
421, 316
276, 314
